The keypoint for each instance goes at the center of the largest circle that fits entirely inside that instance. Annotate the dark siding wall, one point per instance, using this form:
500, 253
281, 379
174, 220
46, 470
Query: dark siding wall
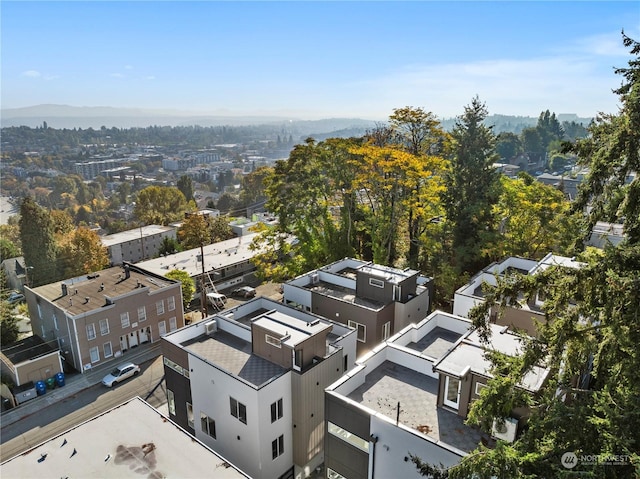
181, 388
339, 455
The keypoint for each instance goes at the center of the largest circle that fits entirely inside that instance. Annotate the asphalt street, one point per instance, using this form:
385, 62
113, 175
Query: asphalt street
80, 399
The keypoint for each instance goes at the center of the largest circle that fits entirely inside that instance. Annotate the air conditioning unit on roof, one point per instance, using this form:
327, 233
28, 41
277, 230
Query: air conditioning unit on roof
211, 327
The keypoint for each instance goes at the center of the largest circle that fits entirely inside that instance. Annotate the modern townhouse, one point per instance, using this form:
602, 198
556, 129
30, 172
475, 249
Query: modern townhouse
530, 312
99, 317
248, 382
376, 300
410, 396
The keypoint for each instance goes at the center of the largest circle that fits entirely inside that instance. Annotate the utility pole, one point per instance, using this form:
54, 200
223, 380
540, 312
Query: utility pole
203, 292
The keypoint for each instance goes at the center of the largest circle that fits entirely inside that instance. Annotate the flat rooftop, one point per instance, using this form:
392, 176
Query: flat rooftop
470, 354
234, 356
343, 294
87, 293
132, 440
391, 383
435, 343
135, 234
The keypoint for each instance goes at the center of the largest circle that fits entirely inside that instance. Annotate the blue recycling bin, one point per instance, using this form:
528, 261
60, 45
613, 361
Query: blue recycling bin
41, 388
59, 379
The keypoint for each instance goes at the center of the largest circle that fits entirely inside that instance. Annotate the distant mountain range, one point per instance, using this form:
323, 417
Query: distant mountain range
65, 116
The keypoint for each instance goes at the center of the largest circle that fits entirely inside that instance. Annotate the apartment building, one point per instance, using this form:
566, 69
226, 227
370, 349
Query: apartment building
101, 316
376, 300
137, 244
530, 312
248, 382
226, 263
410, 396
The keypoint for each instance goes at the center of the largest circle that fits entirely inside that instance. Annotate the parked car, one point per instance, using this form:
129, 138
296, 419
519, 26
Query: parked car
122, 372
244, 292
216, 299
15, 297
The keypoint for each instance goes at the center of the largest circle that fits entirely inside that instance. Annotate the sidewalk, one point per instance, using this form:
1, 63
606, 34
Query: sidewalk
76, 382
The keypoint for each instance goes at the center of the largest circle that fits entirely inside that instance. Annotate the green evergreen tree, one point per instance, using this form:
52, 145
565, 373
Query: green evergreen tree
473, 186
38, 242
590, 338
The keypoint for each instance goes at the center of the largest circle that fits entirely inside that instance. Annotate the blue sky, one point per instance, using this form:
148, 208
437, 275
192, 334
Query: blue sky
316, 59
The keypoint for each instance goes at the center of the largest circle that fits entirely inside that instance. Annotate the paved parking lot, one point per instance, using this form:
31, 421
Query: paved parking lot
269, 290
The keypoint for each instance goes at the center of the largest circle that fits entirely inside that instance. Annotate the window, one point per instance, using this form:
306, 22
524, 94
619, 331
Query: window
142, 313
479, 388
106, 349
171, 402
173, 325
277, 447
124, 319
55, 322
362, 330
297, 359
276, 410
176, 367
348, 437
162, 328
160, 307
238, 410
190, 415
376, 282
104, 327
171, 303
331, 474
94, 353
386, 330
273, 341
91, 331
208, 425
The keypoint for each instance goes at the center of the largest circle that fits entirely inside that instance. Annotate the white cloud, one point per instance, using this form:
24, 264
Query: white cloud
128, 67
518, 87
150, 77
116, 75
605, 44
31, 74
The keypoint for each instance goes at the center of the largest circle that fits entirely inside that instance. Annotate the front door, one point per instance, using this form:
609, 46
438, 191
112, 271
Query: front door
451, 392
143, 336
123, 343
133, 339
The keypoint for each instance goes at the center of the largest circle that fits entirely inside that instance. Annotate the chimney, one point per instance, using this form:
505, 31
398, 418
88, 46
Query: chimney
64, 289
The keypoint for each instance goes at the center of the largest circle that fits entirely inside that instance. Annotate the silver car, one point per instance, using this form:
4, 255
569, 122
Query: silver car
122, 372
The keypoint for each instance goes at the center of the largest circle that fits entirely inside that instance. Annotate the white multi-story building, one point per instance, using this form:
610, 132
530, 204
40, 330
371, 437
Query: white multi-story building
410, 397
249, 382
